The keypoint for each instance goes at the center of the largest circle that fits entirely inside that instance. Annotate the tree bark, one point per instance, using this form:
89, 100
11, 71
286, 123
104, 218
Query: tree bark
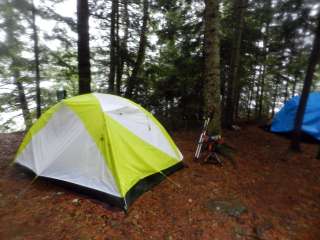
83, 47
36, 59
295, 80
13, 46
118, 54
275, 96
313, 61
262, 92
132, 81
212, 100
122, 46
123, 49
257, 97
237, 102
22, 98
250, 98
268, 9
233, 82
251, 93
286, 93
113, 44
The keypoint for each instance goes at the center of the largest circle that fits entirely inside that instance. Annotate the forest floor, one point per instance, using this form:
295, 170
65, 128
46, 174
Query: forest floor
271, 194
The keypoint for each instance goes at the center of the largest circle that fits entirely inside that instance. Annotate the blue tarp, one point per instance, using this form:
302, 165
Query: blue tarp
284, 120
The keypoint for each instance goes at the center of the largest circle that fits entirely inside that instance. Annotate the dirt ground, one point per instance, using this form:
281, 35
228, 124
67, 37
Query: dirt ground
271, 194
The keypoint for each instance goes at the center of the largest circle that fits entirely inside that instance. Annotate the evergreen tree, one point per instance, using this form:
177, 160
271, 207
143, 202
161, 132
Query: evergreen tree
212, 66
113, 43
36, 58
132, 82
239, 7
83, 47
313, 61
11, 51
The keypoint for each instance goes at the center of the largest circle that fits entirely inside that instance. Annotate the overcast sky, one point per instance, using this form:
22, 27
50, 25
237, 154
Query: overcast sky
67, 9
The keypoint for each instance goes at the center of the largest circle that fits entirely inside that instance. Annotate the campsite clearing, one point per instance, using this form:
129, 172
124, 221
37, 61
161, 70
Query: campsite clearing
272, 194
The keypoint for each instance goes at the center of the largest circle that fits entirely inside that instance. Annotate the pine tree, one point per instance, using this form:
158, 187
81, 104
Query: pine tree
141, 51
212, 66
83, 47
14, 46
36, 58
113, 44
313, 61
239, 7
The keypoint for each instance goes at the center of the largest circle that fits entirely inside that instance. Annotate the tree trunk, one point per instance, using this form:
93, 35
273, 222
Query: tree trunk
233, 82
286, 92
36, 58
268, 9
237, 102
122, 46
313, 61
251, 92
275, 96
132, 81
261, 92
118, 54
22, 99
212, 101
249, 102
257, 97
294, 86
113, 44
16, 63
83, 46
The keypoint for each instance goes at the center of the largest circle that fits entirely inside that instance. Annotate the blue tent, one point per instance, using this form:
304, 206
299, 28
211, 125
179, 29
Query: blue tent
283, 121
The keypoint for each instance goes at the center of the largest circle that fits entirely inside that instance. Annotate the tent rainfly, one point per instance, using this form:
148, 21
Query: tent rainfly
283, 122
100, 142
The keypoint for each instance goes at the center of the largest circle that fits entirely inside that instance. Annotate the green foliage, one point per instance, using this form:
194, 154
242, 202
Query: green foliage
175, 76
273, 58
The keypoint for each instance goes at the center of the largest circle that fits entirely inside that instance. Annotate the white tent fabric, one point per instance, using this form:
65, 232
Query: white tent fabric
137, 121
65, 144
102, 142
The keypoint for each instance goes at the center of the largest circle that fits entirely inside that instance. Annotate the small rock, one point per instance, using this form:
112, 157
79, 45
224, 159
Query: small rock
260, 229
233, 208
168, 237
76, 201
236, 128
135, 223
237, 211
59, 193
113, 223
2, 204
190, 200
239, 231
214, 225
45, 197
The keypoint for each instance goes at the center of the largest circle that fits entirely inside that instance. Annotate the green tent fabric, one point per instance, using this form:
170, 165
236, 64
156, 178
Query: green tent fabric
101, 142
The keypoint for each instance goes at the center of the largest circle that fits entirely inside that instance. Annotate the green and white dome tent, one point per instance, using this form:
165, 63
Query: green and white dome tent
101, 142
